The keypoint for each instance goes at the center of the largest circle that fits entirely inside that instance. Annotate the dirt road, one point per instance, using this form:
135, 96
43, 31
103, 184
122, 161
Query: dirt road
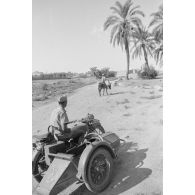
133, 110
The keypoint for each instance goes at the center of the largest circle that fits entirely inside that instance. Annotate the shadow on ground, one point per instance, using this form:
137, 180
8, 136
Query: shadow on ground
127, 172
117, 93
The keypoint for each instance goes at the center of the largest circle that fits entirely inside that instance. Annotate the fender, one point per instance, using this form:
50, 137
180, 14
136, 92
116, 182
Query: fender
85, 156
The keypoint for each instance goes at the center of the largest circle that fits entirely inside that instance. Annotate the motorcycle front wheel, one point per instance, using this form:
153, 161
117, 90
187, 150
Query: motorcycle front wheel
39, 166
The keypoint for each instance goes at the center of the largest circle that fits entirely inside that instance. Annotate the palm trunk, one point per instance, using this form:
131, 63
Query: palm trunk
145, 56
128, 58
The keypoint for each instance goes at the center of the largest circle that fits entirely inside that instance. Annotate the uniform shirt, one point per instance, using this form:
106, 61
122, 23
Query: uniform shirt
58, 118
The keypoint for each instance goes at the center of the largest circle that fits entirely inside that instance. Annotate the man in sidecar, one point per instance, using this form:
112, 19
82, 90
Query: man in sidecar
59, 121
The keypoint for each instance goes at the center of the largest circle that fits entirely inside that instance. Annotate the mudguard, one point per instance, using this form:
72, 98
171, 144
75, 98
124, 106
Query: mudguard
82, 166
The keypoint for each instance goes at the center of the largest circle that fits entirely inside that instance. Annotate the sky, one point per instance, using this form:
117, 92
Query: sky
67, 35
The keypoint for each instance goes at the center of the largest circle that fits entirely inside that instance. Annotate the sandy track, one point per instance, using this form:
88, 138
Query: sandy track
133, 110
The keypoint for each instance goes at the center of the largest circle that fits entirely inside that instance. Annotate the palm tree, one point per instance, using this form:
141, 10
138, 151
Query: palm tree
157, 23
124, 19
143, 43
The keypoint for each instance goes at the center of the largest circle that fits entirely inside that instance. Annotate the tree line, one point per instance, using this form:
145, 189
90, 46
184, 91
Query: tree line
93, 72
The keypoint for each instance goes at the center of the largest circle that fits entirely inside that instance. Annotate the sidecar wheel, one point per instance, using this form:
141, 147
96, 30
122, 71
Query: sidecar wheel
99, 170
39, 166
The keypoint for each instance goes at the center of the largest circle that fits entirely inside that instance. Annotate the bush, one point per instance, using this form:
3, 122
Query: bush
106, 71
45, 87
112, 73
146, 73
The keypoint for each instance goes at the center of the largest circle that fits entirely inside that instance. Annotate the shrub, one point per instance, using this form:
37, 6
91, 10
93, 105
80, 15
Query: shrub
146, 73
45, 87
112, 73
106, 71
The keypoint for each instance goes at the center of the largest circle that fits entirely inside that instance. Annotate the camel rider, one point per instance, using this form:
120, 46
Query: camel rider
59, 120
103, 79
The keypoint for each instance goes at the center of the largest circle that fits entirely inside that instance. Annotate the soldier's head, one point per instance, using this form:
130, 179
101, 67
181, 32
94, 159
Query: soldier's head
63, 101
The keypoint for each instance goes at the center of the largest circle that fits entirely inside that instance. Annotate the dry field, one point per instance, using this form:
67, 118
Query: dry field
133, 110
45, 91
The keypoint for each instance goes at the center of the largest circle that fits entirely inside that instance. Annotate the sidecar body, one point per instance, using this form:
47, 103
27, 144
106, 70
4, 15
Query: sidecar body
90, 163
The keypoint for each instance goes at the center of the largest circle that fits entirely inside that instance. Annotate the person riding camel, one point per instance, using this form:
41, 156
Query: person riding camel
103, 79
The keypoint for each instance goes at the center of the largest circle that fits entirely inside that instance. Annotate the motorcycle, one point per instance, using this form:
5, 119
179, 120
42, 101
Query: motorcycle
73, 145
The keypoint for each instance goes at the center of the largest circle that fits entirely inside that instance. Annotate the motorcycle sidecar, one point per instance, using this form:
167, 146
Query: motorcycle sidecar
91, 163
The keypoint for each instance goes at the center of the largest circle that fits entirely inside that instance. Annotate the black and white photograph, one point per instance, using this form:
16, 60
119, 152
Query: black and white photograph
97, 97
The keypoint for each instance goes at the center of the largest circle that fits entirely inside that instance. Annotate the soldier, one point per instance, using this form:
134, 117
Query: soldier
59, 120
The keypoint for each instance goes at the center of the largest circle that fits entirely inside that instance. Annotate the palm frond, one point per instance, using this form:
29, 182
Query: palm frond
116, 11
138, 12
126, 7
137, 52
113, 31
133, 9
157, 17
119, 5
110, 21
136, 21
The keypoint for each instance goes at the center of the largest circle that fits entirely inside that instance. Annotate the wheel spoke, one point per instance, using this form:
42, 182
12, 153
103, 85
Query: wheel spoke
98, 169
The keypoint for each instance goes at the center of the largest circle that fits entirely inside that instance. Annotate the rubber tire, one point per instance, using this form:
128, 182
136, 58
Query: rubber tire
89, 184
38, 155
